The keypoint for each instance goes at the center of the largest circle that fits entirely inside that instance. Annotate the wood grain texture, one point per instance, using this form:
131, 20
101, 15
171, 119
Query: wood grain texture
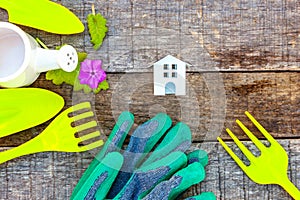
210, 35
213, 102
244, 56
43, 176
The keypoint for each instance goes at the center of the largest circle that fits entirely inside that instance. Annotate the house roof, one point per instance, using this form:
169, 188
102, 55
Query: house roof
169, 59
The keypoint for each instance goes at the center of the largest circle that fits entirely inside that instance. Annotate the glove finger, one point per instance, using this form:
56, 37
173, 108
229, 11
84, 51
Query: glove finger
179, 138
144, 179
178, 183
100, 179
117, 136
198, 156
113, 143
203, 196
141, 142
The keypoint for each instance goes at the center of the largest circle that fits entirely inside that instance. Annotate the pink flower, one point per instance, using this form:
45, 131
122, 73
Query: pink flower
91, 73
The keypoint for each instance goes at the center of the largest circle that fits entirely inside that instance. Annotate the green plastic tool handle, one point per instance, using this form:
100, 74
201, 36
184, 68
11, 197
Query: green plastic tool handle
286, 184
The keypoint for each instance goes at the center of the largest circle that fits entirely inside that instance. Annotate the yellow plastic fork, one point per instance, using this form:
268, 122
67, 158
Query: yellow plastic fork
268, 168
60, 135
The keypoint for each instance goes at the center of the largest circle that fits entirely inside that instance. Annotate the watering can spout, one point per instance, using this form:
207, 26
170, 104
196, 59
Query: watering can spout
66, 59
22, 60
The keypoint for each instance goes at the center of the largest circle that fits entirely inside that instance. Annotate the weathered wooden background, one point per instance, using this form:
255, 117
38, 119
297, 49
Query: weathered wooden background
244, 55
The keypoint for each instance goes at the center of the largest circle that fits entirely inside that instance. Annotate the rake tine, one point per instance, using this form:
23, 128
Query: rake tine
261, 128
232, 154
253, 138
86, 126
90, 136
93, 145
79, 106
242, 147
82, 116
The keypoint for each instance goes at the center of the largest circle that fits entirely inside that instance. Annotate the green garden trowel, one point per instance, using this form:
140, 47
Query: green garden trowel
23, 108
42, 14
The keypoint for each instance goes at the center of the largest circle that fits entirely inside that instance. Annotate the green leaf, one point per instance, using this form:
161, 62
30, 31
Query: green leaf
97, 29
102, 86
59, 76
87, 89
78, 86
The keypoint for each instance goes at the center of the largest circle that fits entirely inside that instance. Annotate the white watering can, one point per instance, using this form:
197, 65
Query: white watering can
22, 60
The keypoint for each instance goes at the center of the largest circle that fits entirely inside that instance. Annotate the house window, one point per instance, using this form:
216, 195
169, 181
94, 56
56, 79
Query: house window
166, 75
174, 74
166, 66
174, 66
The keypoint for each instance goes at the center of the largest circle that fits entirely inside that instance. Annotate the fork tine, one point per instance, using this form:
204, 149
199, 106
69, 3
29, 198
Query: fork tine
89, 136
82, 116
261, 128
86, 126
242, 147
232, 154
253, 138
92, 145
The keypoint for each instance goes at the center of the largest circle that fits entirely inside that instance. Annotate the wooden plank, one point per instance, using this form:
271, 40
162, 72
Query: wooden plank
273, 98
54, 175
225, 35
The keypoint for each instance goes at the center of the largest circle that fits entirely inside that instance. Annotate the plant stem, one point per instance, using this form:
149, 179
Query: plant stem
41, 43
93, 9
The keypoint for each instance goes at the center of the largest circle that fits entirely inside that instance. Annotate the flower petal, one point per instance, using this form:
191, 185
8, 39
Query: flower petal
85, 81
83, 75
101, 75
93, 82
86, 66
96, 65
91, 73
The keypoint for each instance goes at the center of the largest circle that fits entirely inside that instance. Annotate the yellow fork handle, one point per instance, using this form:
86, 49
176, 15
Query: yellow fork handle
34, 145
288, 186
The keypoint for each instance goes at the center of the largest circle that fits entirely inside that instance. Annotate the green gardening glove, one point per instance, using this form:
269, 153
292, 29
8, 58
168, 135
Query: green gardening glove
177, 139
136, 178
101, 173
167, 160
184, 178
167, 177
142, 141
